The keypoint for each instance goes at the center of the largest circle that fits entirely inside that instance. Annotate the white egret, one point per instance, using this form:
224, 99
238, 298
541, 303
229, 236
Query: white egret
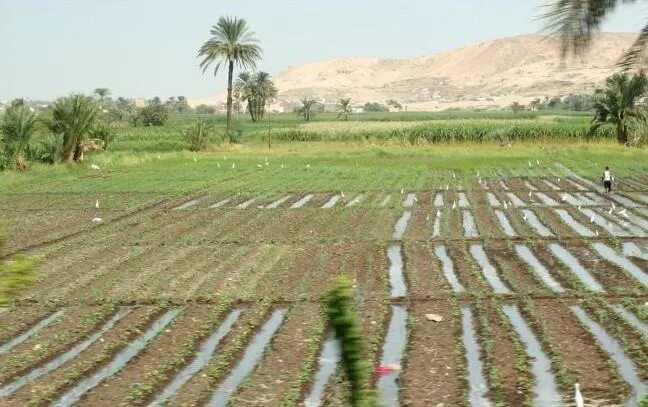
402, 191
454, 204
97, 204
95, 167
195, 160
96, 220
233, 165
538, 162
592, 219
438, 213
525, 216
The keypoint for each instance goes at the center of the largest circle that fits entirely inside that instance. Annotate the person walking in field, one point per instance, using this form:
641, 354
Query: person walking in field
607, 180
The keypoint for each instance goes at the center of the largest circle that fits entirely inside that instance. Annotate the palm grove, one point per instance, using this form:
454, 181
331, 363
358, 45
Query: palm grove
78, 123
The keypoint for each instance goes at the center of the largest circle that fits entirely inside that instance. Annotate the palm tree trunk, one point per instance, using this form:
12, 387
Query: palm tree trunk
69, 154
622, 133
230, 77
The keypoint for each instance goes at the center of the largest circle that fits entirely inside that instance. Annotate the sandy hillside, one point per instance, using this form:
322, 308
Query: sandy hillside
490, 73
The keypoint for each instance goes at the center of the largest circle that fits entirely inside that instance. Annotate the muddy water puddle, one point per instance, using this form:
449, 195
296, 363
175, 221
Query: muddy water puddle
220, 204
250, 359
30, 332
331, 202
278, 202
504, 223
575, 267
64, 358
541, 271
546, 199
201, 358
576, 226
469, 226
632, 319
492, 200
410, 199
515, 200
463, 200
447, 266
356, 200
401, 225
186, 205
545, 390
392, 355
535, 223
328, 362
477, 385
436, 227
488, 271
571, 199
302, 201
551, 185
631, 249
246, 204
623, 200
396, 279
530, 186
612, 256
610, 227
73, 395
438, 200
626, 368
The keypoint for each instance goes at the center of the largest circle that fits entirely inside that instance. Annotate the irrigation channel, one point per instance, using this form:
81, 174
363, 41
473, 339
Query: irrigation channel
30, 332
72, 396
250, 359
200, 360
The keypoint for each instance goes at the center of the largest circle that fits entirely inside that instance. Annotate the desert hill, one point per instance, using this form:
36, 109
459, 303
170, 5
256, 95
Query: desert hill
490, 73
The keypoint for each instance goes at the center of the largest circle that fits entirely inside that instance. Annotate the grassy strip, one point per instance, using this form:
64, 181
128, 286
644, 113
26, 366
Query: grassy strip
487, 342
524, 378
308, 366
564, 377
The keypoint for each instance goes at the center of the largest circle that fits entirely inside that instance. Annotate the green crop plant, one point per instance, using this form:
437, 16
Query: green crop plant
15, 275
344, 320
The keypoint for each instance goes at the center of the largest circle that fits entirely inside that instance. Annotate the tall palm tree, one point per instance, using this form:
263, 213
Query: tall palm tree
576, 21
257, 89
74, 118
306, 109
344, 108
17, 128
231, 43
616, 104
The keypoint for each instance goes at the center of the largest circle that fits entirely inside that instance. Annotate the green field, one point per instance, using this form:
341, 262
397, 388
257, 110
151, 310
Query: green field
158, 249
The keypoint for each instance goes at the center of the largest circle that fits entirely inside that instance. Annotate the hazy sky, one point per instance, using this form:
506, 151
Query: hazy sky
144, 48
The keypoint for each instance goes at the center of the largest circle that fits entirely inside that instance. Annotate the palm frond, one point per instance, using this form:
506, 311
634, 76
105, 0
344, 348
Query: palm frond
575, 21
231, 41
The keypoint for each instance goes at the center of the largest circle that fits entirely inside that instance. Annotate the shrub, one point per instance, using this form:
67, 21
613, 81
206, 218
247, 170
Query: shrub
198, 135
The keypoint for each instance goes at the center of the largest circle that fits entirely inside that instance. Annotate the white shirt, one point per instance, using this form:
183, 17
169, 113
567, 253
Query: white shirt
607, 176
